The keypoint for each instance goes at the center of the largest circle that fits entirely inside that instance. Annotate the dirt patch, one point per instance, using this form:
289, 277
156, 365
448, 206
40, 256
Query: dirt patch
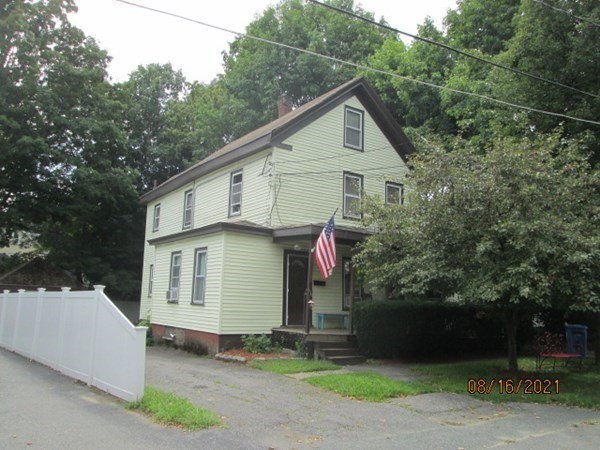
242, 356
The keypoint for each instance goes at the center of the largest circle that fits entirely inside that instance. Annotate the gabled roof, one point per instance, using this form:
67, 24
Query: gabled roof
275, 132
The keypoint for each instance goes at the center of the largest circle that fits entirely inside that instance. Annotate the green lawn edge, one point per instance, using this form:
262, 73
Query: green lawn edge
292, 366
170, 409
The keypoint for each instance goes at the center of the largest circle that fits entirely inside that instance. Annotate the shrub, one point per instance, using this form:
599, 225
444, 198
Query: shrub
258, 343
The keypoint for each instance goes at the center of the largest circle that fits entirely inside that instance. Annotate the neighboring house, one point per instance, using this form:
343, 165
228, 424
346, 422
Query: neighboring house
227, 240
35, 273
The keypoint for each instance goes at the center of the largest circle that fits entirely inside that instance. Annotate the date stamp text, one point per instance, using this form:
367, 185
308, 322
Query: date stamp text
510, 386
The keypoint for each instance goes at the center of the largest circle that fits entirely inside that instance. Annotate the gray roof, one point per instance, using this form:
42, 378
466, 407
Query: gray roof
275, 132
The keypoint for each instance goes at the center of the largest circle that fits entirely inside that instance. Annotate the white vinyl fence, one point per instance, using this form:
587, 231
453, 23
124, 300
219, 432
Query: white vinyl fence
80, 333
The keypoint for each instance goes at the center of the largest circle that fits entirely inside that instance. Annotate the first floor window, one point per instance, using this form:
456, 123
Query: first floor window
199, 277
150, 280
394, 194
352, 195
235, 193
175, 279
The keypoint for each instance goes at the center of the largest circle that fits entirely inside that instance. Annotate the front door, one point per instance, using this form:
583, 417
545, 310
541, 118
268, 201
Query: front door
296, 268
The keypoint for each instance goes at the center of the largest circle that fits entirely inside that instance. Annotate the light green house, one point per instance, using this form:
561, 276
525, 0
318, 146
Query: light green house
227, 240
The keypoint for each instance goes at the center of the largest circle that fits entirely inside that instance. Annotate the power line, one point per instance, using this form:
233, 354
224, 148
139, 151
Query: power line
360, 66
582, 19
447, 47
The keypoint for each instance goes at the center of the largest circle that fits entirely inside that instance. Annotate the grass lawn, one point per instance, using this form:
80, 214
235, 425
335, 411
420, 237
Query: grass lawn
367, 386
288, 366
567, 386
170, 409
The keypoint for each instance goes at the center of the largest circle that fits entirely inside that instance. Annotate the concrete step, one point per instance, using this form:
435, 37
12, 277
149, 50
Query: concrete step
347, 360
342, 351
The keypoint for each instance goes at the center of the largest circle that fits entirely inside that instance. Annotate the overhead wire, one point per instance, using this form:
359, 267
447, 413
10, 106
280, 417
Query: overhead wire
556, 8
453, 49
363, 67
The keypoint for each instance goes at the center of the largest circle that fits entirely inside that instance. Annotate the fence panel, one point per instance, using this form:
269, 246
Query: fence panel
80, 333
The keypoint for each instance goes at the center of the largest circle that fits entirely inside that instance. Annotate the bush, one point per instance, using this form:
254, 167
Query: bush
258, 343
422, 328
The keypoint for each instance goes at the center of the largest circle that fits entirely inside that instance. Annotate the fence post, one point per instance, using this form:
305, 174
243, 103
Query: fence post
17, 318
3, 316
61, 329
98, 289
38, 319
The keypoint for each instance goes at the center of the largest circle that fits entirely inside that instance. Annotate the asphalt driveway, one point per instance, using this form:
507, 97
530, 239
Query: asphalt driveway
40, 408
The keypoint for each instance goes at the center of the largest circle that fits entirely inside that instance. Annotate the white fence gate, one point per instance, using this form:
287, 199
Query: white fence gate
80, 333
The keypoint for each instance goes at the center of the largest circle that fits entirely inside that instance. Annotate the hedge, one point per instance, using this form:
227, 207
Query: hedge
388, 329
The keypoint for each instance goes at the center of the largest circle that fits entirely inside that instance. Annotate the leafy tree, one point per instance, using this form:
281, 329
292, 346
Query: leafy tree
257, 73
55, 111
482, 25
412, 104
148, 96
63, 154
516, 228
557, 46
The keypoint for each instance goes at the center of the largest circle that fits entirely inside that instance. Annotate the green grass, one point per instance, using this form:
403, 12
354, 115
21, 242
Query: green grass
171, 409
575, 387
367, 386
288, 366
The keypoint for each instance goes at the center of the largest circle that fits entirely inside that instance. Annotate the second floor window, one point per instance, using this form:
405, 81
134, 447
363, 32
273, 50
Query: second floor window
352, 195
394, 194
235, 193
156, 219
188, 208
353, 128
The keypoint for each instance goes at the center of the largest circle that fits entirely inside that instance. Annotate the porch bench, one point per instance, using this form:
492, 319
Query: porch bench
342, 318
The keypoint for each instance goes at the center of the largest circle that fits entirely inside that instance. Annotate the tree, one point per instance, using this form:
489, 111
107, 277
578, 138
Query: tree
515, 228
63, 157
55, 110
148, 96
258, 73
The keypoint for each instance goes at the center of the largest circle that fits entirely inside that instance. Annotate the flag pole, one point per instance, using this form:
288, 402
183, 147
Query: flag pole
308, 291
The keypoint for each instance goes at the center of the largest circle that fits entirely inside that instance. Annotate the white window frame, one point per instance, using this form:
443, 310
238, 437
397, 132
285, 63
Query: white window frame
400, 188
348, 195
156, 218
175, 280
360, 129
235, 207
150, 280
199, 276
188, 208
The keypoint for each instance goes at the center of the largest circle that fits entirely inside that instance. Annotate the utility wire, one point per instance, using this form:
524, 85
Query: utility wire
360, 66
582, 19
447, 47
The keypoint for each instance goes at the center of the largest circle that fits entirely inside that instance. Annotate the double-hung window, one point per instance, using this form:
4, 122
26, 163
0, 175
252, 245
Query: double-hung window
394, 194
188, 208
235, 193
150, 280
199, 277
353, 128
353, 186
175, 278
156, 218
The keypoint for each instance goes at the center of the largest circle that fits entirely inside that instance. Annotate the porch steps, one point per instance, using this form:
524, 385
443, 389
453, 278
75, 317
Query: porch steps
340, 353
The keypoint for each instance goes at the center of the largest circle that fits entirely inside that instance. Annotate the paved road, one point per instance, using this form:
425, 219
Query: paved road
42, 409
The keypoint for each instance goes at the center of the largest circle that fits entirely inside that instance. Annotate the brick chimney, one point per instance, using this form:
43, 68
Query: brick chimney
284, 105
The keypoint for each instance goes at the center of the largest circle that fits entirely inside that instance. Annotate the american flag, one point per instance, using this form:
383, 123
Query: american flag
325, 249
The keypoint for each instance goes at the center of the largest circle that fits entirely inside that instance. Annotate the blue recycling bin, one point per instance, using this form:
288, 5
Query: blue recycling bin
576, 339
